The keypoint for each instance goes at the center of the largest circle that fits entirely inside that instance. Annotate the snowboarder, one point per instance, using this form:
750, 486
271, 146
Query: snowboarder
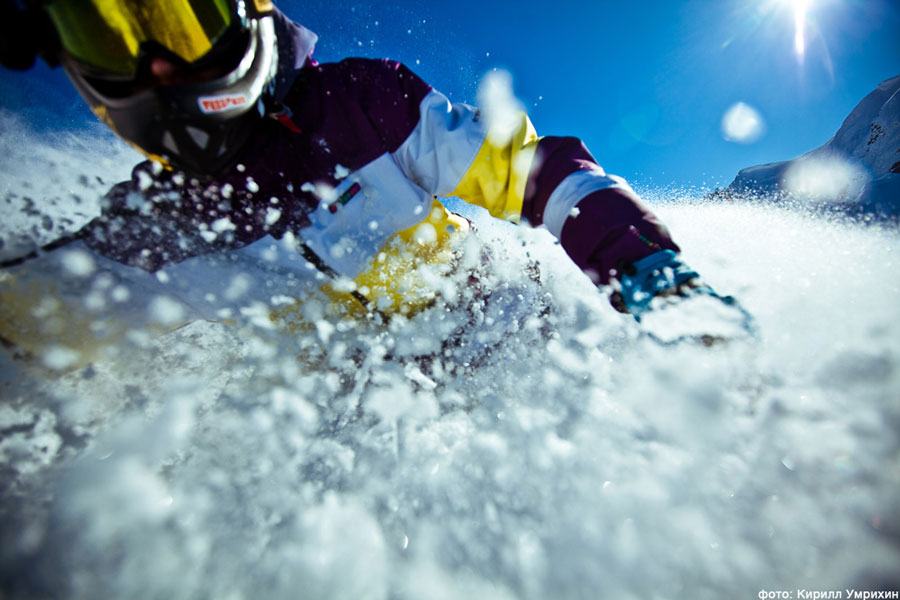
248, 136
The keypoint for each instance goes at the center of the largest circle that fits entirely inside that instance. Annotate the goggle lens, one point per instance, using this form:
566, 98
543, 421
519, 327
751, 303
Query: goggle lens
108, 34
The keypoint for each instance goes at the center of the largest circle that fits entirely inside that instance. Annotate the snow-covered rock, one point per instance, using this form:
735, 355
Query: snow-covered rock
858, 169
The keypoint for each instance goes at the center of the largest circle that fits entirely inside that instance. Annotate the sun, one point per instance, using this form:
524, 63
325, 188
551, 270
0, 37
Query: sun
800, 9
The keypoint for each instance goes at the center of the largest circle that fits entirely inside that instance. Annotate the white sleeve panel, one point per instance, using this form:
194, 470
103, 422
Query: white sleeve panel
353, 221
571, 191
443, 144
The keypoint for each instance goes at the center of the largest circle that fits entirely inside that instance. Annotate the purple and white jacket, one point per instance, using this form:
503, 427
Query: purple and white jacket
351, 165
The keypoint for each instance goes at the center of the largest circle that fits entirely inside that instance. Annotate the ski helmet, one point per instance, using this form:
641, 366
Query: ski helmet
226, 55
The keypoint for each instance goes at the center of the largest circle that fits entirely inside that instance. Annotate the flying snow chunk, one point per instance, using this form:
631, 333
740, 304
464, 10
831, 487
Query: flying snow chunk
501, 109
120, 293
222, 225
742, 124
145, 181
324, 329
825, 178
59, 358
166, 311
239, 285
78, 263
425, 234
272, 216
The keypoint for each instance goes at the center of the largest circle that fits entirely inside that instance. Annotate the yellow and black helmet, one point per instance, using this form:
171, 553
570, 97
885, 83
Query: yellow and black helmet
225, 51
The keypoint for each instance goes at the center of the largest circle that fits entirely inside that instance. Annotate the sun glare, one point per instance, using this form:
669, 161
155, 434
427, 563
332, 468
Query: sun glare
800, 9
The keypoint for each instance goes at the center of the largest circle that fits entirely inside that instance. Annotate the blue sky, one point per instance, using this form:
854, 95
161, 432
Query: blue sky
645, 84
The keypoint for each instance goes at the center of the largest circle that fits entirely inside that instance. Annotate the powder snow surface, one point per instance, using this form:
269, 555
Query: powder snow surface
553, 456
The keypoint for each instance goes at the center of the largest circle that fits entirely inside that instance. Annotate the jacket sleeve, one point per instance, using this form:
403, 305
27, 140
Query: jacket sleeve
552, 181
599, 220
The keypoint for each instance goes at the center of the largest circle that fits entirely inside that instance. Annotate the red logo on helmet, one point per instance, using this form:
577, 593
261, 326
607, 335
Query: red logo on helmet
215, 104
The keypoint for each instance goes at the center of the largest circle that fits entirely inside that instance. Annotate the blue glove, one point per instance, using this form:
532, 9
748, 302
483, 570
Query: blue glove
687, 314
649, 277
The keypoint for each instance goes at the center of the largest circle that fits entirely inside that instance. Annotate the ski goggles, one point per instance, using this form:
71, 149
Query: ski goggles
108, 35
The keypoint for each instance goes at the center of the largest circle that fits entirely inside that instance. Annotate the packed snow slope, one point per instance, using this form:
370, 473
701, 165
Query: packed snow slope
553, 454
858, 170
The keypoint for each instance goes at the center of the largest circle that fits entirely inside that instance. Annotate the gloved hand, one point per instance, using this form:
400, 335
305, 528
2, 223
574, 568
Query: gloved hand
672, 305
660, 274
